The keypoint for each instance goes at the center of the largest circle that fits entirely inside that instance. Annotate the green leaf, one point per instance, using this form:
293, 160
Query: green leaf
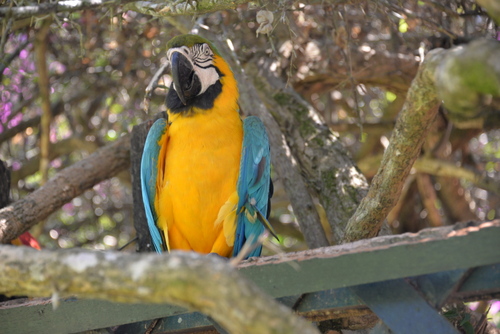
116, 108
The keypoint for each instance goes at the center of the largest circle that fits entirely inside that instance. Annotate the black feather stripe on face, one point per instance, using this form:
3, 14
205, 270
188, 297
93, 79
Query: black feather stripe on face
203, 101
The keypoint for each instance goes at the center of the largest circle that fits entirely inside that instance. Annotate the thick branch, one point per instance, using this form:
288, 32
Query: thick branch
418, 113
181, 7
56, 7
326, 163
466, 78
202, 283
69, 183
493, 9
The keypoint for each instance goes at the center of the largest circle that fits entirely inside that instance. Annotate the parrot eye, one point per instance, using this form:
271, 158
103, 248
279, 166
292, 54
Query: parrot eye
206, 50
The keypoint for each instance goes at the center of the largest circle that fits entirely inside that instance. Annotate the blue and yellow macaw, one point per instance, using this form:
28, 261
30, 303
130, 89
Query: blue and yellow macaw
205, 173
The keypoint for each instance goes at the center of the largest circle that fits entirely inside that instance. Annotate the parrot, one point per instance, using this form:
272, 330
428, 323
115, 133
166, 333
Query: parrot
205, 172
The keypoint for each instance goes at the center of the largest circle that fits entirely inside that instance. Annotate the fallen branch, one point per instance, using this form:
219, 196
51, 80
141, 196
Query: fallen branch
203, 283
63, 187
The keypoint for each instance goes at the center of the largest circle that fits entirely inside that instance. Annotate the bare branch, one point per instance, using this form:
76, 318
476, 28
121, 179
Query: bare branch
67, 184
61, 148
22, 12
449, 169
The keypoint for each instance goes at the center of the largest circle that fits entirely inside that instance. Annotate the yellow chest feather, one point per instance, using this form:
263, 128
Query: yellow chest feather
200, 173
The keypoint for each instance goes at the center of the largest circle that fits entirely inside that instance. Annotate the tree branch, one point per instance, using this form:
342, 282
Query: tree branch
203, 283
22, 12
418, 113
466, 78
62, 147
448, 169
493, 9
67, 184
44, 87
328, 167
459, 77
182, 7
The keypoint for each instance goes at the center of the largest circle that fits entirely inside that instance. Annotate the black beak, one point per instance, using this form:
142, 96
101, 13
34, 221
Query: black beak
186, 83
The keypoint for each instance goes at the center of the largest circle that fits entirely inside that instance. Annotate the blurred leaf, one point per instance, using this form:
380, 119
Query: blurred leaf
390, 96
116, 108
403, 26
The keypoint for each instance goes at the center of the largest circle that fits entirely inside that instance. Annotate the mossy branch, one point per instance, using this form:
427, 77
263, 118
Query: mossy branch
418, 113
202, 283
467, 80
460, 77
493, 9
325, 162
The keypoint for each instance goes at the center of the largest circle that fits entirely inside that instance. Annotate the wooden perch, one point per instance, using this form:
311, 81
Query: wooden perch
63, 187
204, 283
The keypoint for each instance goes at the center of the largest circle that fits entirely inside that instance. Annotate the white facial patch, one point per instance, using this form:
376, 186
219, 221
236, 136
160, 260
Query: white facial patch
201, 57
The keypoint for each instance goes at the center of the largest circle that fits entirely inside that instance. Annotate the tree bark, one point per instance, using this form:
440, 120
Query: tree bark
459, 77
325, 162
493, 9
466, 78
67, 184
206, 284
418, 113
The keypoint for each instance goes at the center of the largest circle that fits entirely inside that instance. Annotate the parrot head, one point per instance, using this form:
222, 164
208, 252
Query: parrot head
199, 74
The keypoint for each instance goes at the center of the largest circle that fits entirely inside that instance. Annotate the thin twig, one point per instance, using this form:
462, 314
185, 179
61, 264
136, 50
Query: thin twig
11, 56
153, 84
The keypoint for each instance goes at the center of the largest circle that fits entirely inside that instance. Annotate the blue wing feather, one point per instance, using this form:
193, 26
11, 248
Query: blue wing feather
149, 173
253, 184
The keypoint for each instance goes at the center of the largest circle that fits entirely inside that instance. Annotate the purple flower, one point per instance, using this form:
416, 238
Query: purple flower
16, 165
6, 110
16, 120
24, 54
495, 307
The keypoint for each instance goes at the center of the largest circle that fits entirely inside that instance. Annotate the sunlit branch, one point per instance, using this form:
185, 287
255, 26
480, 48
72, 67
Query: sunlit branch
63, 187
203, 283
56, 7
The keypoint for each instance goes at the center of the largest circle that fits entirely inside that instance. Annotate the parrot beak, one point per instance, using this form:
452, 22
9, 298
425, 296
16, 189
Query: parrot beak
186, 83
